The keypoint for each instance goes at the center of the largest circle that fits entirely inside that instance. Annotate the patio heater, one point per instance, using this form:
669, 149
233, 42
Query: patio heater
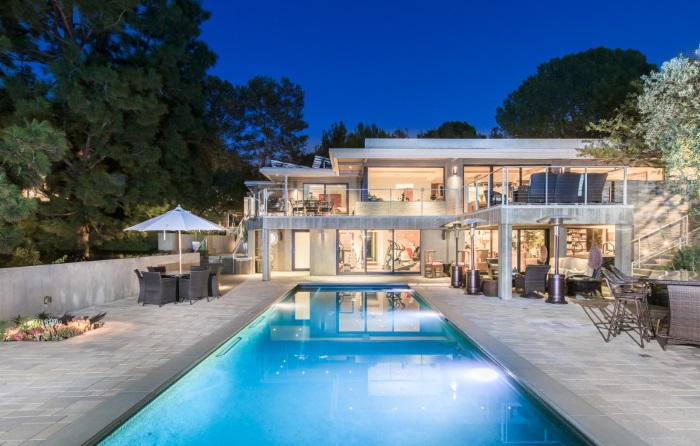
456, 270
473, 278
557, 282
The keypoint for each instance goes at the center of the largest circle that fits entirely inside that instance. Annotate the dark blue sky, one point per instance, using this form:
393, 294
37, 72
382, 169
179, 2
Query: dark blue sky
416, 64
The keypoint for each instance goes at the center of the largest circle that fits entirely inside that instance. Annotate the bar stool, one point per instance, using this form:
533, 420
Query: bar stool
621, 319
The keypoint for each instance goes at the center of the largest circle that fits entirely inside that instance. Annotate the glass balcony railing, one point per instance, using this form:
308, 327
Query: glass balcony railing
506, 186
547, 185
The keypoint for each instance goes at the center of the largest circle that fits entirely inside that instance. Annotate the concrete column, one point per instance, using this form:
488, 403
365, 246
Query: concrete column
265, 255
505, 261
623, 247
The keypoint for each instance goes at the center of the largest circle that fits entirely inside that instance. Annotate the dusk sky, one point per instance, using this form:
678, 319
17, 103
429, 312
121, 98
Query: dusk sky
416, 64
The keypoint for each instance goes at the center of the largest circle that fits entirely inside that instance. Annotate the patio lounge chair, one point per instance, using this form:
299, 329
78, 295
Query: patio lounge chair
595, 183
569, 188
195, 286
159, 290
533, 280
540, 183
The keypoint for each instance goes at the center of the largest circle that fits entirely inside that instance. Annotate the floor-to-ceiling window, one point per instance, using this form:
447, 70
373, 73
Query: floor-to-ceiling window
378, 251
529, 246
335, 194
406, 183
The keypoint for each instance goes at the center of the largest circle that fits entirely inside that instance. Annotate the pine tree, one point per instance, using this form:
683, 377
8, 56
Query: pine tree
125, 81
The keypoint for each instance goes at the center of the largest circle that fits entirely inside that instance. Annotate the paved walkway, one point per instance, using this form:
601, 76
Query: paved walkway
63, 393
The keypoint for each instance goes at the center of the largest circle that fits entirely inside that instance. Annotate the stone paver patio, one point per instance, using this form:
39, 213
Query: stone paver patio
65, 392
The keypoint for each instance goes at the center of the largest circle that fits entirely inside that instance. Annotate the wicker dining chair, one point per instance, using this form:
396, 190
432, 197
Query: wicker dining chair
194, 287
213, 284
684, 312
142, 286
159, 290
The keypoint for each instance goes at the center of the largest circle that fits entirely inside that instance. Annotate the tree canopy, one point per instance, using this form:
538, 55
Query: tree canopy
660, 126
452, 129
125, 82
26, 155
339, 137
267, 121
567, 94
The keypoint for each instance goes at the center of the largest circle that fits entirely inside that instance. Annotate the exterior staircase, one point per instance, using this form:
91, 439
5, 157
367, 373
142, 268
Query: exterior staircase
656, 249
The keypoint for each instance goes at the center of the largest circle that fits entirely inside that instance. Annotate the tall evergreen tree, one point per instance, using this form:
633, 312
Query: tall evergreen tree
338, 136
26, 154
569, 93
125, 81
268, 117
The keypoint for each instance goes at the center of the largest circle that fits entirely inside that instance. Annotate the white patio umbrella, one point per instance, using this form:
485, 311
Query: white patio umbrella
178, 220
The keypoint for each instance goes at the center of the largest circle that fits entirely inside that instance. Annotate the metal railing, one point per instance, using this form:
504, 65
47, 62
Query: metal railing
547, 185
659, 242
506, 186
360, 202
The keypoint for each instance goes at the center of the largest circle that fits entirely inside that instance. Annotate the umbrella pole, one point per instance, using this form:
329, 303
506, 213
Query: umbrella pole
179, 249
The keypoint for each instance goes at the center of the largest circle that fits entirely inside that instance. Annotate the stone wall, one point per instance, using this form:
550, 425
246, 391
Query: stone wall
72, 286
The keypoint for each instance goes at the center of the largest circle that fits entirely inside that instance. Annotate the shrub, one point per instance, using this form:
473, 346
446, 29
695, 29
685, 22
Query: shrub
687, 259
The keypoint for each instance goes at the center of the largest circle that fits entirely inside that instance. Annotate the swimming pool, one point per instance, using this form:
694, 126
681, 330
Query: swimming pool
345, 365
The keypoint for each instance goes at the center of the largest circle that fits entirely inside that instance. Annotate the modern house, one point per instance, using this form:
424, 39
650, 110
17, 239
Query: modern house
382, 209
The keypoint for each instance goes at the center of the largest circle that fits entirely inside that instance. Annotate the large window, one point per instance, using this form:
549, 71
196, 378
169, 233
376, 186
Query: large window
406, 183
529, 247
378, 251
335, 194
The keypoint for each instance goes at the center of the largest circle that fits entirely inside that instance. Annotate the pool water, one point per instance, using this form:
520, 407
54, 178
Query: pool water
345, 366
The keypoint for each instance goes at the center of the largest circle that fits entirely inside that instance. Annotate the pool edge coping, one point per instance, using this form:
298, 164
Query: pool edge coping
96, 425
554, 394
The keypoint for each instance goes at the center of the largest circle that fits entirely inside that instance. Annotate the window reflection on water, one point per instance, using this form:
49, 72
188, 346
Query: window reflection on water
387, 353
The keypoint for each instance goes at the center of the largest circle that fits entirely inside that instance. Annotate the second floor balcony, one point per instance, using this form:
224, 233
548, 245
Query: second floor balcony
505, 186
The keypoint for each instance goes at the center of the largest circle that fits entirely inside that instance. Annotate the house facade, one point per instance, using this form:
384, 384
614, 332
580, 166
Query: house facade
382, 209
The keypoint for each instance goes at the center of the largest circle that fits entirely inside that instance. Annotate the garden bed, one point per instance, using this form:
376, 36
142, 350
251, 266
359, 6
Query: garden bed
45, 327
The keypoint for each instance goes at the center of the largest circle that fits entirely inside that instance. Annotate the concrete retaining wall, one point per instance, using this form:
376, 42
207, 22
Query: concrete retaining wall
75, 285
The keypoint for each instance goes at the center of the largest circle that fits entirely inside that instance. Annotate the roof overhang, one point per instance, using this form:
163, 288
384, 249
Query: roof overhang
486, 149
277, 174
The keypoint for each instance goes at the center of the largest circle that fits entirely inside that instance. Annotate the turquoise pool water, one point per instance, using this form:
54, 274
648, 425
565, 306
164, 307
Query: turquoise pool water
345, 366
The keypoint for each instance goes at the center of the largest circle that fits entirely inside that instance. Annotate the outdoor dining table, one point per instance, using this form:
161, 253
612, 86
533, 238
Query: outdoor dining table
683, 305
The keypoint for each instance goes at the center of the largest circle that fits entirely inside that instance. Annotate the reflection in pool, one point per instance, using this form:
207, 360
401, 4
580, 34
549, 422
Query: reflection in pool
343, 366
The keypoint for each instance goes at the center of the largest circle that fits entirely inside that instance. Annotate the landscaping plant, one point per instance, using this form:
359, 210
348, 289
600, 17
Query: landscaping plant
44, 327
687, 259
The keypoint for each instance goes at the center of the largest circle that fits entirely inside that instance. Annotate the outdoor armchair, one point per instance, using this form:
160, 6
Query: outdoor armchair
159, 290
195, 286
533, 280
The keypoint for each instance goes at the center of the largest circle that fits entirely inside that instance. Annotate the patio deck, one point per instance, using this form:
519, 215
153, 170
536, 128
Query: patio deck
63, 393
